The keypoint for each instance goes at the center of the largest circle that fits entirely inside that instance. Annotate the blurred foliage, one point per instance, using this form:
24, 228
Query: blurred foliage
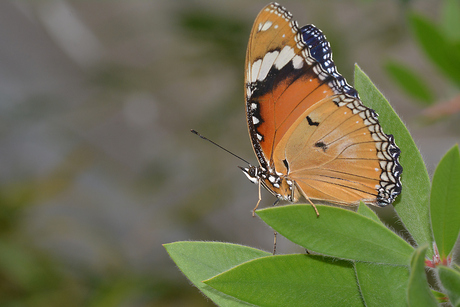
34, 276
442, 51
441, 45
30, 276
410, 82
224, 38
221, 43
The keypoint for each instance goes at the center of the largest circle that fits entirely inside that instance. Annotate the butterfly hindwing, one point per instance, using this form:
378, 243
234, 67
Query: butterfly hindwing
343, 164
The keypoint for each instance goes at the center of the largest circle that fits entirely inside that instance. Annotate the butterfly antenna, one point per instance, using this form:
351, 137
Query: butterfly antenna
212, 142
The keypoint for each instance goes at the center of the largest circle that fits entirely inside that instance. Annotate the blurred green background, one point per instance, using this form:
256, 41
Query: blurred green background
98, 167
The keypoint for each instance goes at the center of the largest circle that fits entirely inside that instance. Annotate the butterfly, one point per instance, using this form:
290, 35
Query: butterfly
312, 135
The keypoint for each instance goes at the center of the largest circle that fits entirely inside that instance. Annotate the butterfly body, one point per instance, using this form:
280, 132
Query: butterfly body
310, 132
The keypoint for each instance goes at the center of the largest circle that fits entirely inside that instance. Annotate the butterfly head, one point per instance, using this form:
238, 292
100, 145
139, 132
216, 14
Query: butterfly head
280, 186
252, 173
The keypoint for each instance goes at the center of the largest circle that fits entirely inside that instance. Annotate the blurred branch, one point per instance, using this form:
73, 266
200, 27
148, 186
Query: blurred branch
442, 110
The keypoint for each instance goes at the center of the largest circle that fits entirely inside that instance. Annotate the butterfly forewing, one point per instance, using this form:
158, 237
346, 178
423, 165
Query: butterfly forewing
280, 84
310, 132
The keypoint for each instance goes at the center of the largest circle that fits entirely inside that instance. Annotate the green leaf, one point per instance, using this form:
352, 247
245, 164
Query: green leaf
364, 210
338, 233
419, 293
439, 296
451, 19
202, 260
382, 283
450, 280
412, 205
438, 48
445, 202
455, 267
410, 82
291, 280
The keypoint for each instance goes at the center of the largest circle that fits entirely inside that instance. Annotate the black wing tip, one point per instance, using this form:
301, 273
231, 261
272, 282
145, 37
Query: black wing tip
320, 50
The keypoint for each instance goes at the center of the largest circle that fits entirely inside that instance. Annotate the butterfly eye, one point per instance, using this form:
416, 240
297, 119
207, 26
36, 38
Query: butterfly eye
251, 173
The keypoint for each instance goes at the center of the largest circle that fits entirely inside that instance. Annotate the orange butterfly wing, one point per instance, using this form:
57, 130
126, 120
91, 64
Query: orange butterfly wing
309, 130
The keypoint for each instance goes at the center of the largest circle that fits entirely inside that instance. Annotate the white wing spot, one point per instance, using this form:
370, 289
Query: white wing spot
266, 25
297, 62
286, 54
384, 176
255, 70
267, 63
255, 120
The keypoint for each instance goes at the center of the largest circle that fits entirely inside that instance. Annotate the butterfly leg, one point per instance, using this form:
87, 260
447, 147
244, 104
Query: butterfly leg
258, 202
306, 197
275, 233
314, 207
